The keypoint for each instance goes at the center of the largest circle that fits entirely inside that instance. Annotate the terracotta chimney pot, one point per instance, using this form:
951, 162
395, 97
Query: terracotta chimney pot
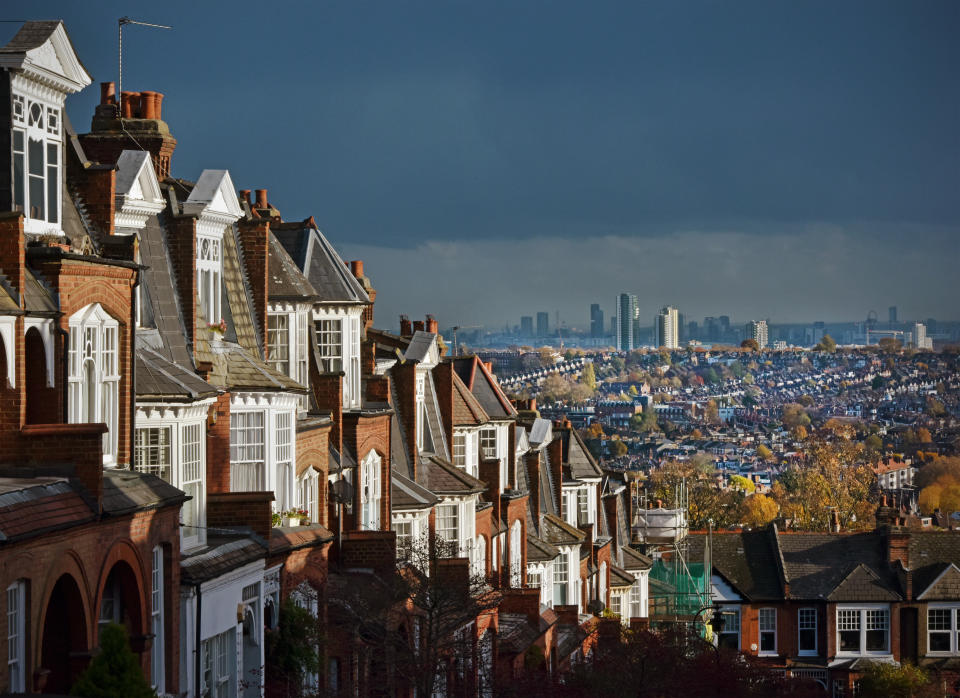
310, 223
158, 105
107, 93
129, 104
245, 193
356, 266
148, 105
262, 198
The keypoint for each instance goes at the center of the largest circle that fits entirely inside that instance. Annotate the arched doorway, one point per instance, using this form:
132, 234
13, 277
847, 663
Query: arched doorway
64, 649
35, 356
121, 601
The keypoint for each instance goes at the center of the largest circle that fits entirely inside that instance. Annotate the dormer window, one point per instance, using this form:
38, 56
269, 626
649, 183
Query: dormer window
36, 163
208, 277
94, 374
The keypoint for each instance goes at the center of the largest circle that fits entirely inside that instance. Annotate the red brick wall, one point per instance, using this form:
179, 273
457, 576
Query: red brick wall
96, 186
313, 451
255, 240
362, 434
232, 509
328, 392
443, 379
87, 553
218, 447
376, 550
182, 244
12, 249
404, 380
81, 444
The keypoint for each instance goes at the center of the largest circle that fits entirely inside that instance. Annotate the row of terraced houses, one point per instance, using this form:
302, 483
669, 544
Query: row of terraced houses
200, 422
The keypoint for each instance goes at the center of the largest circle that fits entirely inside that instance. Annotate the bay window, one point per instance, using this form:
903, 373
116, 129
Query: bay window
94, 373
284, 453
37, 168
943, 629
561, 574
488, 442
448, 520
460, 449
156, 621
278, 342
329, 345
247, 452
152, 452
729, 635
863, 630
191, 479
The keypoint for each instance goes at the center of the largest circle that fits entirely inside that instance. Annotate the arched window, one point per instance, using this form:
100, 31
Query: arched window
370, 492
94, 375
516, 556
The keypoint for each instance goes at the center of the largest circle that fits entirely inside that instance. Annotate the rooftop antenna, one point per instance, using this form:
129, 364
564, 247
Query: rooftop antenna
120, 24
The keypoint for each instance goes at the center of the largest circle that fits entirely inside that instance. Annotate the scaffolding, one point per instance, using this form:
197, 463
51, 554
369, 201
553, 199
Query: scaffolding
679, 585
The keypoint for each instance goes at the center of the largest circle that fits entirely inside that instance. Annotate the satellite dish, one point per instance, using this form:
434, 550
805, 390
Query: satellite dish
342, 492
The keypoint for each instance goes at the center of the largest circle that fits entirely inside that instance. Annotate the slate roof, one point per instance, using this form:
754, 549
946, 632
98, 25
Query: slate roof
237, 302
31, 35
816, 564
863, 584
286, 281
540, 431
407, 494
36, 296
556, 531
221, 554
515, 633
7, 296
745, 559
466, 409
929, 553
125, 491
159, 379
539, 550
442, 478
235, 368
578, 462
30, 506
293, 538
419, 346
161, 302
320, 263
484, 387
620, 577
633, 560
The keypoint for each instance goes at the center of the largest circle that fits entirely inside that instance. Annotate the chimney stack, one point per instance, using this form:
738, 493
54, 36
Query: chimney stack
835, 521
406, 329
130, 105
262, 198
418, 325
356, 267
108, 93
432, 325
245, 194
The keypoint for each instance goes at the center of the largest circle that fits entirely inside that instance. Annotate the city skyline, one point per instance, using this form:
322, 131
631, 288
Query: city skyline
668, 142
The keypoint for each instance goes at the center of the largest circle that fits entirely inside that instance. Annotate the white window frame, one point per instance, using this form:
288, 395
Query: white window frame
864, 618
561, 579
16, 636
488, 442
153, 451
421, 409
447, 513
248, 450
516, 556
329, 340
731, 626
460, 449
767, 629
807, 619
209, 273
45, 131
370, 491
192, 480
279, 346
94, 373
157, 657
217, 674
954, 630
283, 446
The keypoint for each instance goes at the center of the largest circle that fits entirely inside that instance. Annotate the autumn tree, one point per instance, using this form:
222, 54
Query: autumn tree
934, 407
618, 448
764, 453
890, 345
741, 483
555, 388
711, 414
827, 344
589, 377
750, 344
759, 510
794, 416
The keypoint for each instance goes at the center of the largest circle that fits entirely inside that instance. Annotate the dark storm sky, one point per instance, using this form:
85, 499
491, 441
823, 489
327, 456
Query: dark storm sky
791, 160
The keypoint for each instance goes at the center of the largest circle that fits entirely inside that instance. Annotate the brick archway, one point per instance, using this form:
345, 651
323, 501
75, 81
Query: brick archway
64, 639
122, 578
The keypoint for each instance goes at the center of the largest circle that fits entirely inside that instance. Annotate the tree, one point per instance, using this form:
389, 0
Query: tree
594, 431
799, 432
589, 377
764, 453
934, 407
739, 482
924, 436
750, 344
293, 650
794, 416
555, 388
892, 681
874, 444
115, 672
890, 345
633, 392
618, 448
759, 510
827, 344
696, 434
711, 415
646, 421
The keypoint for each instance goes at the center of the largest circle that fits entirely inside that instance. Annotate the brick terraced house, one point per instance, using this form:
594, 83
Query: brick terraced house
199, 423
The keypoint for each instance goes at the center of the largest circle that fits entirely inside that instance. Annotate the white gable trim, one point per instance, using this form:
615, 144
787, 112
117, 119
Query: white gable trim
54, 63
138, 193
213, 198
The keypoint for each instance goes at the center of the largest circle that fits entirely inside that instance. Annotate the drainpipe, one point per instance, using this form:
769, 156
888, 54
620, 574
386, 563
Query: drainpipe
65, 360
133, 370
196, 655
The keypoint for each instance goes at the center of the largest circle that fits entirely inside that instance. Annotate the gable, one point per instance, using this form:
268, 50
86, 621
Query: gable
214, 194
136, 178
43, 52
946, 586
863, 584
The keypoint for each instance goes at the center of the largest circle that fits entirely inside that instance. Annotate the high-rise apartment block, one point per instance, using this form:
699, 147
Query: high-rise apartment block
596, 320
667, 328
893, 314
526, 325
920, 339
628, 314
543, 324
757, 330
